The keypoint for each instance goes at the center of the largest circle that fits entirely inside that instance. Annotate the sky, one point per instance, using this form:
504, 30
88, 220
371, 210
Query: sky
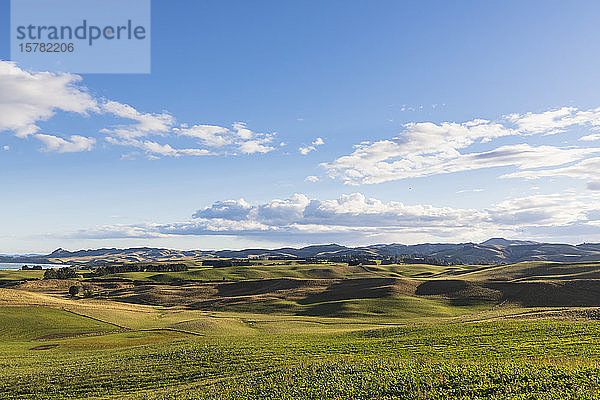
270, 123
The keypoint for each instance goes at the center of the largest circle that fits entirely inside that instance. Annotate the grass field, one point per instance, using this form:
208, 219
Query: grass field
548, 359
369, 334
16, 275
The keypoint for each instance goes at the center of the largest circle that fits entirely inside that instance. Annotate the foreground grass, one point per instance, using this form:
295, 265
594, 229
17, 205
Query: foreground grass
520, 360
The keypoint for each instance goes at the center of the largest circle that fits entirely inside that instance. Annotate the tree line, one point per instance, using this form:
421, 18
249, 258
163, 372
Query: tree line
61, 273
119, 268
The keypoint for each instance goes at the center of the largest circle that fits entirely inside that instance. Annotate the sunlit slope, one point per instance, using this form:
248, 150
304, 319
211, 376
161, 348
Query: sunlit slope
536, 271
27, 323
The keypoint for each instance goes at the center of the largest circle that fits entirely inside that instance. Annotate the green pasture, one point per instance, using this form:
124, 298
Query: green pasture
49, 354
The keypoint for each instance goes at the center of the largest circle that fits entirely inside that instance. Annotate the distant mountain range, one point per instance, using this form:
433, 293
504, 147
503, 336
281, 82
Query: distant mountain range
492, 251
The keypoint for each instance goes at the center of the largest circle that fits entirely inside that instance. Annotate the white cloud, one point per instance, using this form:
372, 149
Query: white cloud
586, 169
311, 178
239, 138
470, 191
210, 135
28, 98
590, 138
242, 131
544, 210
254, 146
75, 144
218, 140
281, 211
157, 150
167, 150
6, 148
312, 147
555, 121
145, 123
145, 231
359, 169
305, 150
424, 149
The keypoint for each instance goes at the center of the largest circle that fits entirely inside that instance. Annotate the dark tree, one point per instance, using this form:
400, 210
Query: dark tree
73, 291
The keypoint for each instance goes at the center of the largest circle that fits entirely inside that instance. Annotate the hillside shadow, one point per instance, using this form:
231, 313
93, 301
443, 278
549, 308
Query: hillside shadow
348, 289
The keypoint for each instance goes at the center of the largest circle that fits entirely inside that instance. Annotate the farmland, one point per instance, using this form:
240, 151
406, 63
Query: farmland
296, 331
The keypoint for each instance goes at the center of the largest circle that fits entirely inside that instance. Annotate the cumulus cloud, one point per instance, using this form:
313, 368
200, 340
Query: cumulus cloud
426, 148
233, 210
311, 178
312, 147
358, 216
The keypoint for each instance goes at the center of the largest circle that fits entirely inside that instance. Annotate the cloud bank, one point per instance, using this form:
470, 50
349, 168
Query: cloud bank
356, 217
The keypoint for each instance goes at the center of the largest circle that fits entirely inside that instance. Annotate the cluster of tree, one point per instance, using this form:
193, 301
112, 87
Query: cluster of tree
32, 268
117, 268
61, 273
312, 260
346, 258
227, 263
419, 259
87, 292
361, 261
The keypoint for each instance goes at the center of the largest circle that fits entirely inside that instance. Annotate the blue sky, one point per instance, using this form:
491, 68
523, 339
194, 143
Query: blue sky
474, 114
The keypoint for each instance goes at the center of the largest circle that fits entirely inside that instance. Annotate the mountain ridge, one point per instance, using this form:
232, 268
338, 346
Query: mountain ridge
491, 251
